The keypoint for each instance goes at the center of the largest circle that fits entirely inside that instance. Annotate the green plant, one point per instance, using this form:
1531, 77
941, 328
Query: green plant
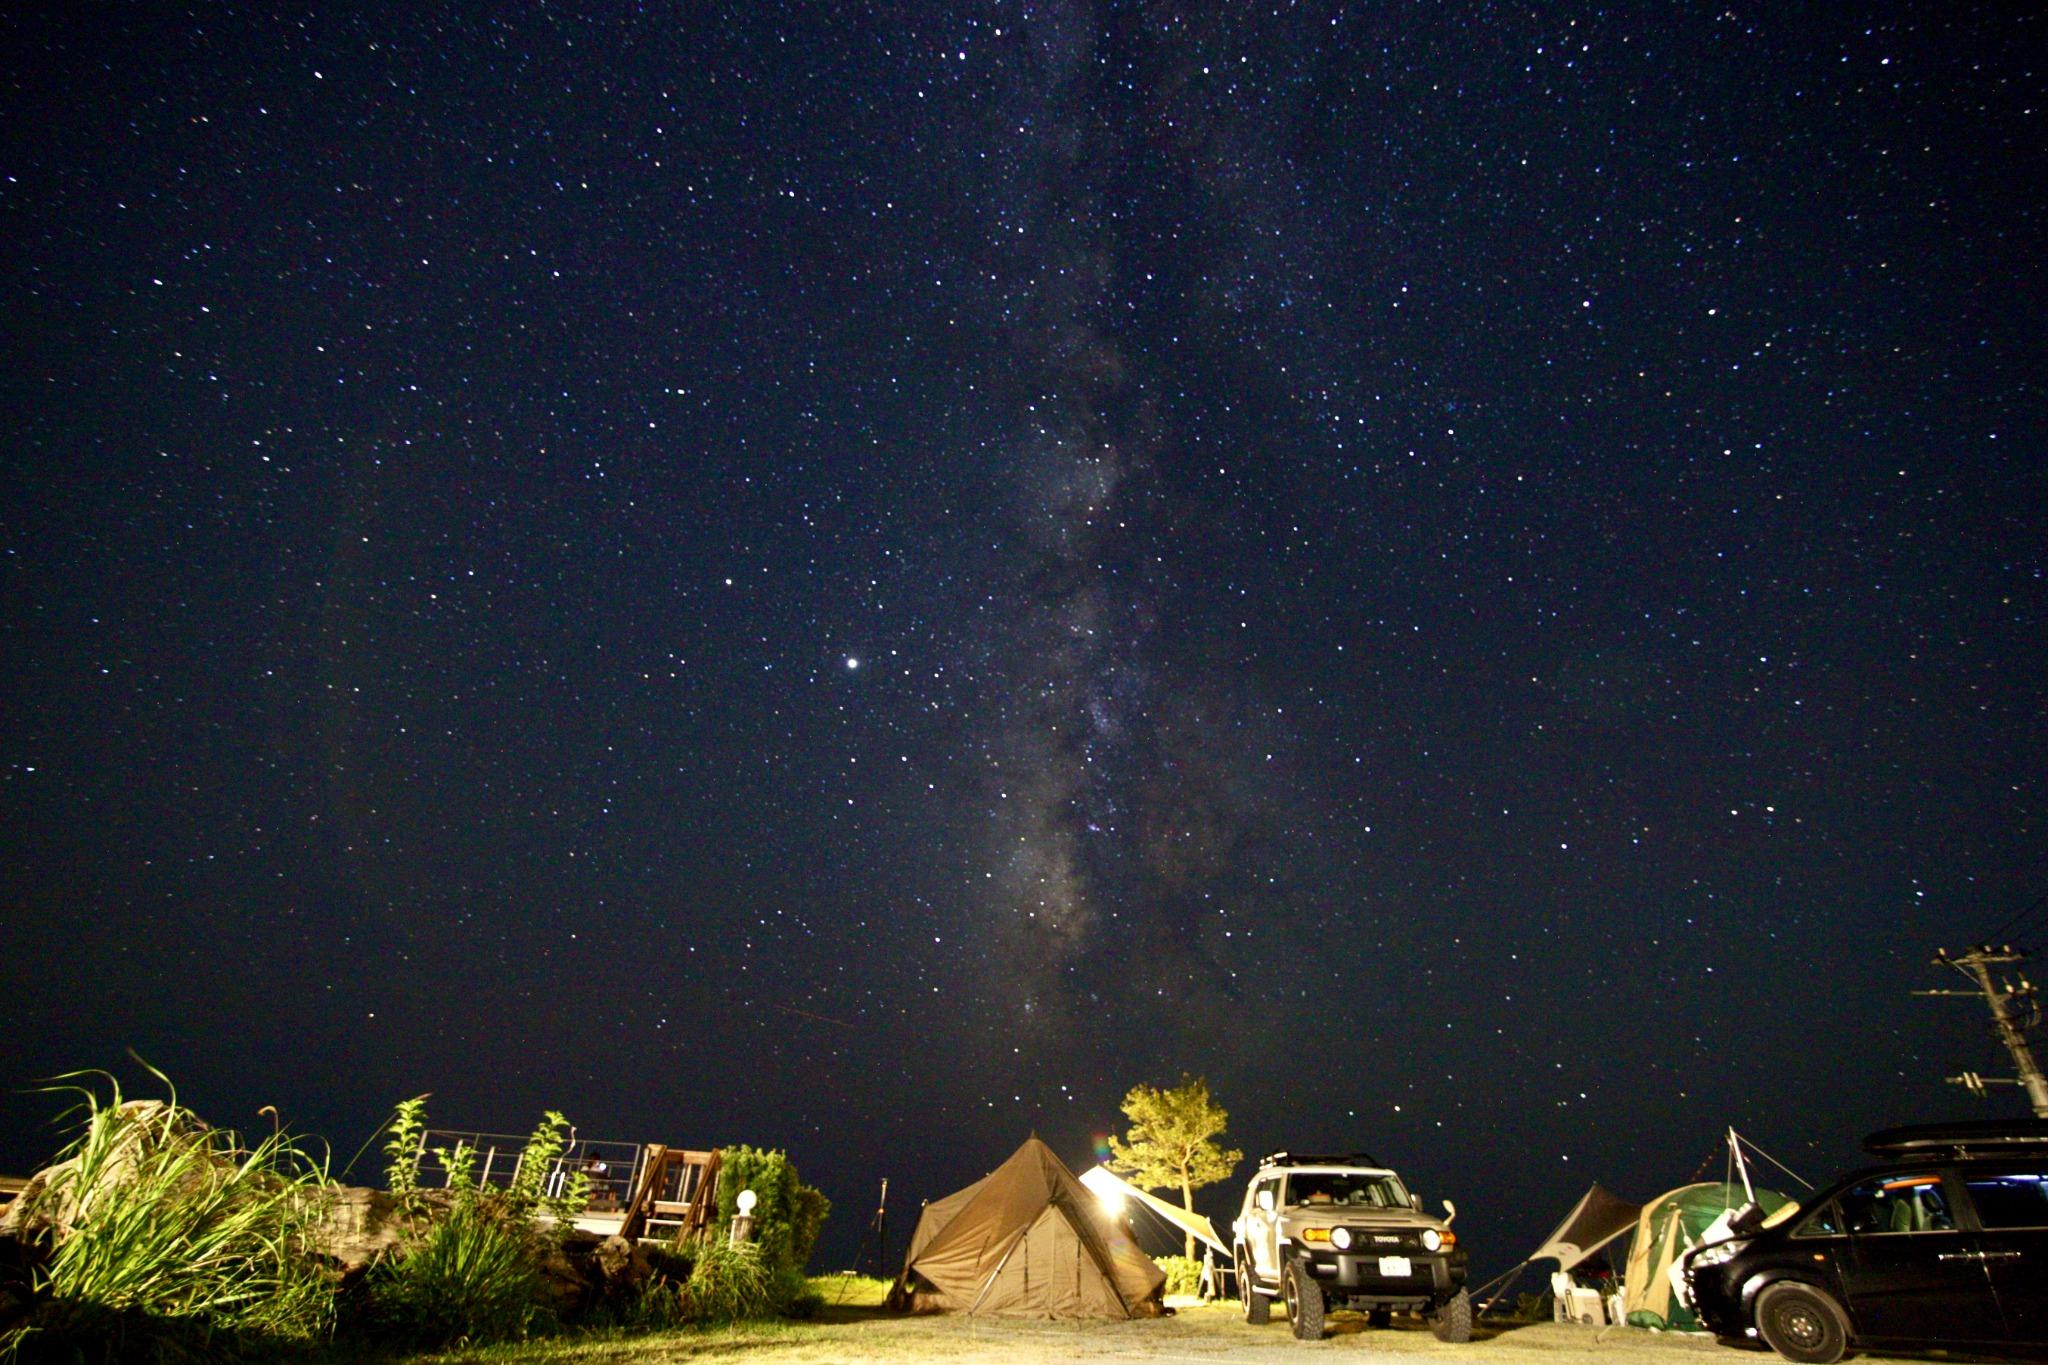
471, 1278
1183, 1274
787, 1214
541, 1157
163, 1233
730, 1282
458, 1170
406, 1133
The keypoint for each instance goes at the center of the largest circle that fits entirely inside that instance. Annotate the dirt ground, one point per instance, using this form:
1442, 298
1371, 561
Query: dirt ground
1203, 1335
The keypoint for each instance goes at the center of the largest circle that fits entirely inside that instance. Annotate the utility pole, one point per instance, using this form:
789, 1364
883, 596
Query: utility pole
2013, 1011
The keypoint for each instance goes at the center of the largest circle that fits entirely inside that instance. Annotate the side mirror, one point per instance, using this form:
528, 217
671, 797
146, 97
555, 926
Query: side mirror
1265, 1201
1450, 1212
1415, 1202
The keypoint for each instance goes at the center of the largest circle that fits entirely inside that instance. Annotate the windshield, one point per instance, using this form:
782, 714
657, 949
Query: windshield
1353, 1189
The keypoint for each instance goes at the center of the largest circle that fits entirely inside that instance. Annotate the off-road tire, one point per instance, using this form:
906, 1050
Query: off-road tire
1305, 1303
1380, 1317
1453, 1321
1258, 1309
1802, 1323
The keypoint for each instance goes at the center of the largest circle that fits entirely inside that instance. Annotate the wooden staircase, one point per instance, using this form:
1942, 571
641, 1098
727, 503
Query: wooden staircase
675, 1197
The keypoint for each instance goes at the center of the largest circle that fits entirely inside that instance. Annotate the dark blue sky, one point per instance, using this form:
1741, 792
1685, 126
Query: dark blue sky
865, 578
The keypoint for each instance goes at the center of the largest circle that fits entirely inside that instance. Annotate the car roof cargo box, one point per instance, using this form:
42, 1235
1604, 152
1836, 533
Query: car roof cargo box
1309, 1159
1964, 1141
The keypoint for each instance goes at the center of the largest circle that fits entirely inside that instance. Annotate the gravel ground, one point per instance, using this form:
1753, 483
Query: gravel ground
1209, 1335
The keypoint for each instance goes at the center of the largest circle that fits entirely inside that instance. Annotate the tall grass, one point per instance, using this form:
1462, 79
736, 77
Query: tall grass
730, 1282
168, 1234
471, 1278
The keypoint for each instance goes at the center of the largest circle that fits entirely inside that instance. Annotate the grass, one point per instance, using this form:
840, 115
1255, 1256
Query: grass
472, 1276
182, 1242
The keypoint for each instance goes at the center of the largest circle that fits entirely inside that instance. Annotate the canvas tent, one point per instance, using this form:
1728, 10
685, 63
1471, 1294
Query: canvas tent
1668, 1226
1028, 1240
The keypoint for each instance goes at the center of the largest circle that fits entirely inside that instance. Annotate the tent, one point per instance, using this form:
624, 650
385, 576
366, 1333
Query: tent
1669, 1225
1030, 1241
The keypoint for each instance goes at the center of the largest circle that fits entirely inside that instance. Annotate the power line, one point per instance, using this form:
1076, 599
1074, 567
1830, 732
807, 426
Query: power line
2008, 931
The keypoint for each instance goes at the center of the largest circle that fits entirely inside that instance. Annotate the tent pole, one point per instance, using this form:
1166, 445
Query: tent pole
997, 1273
1741, 1166
1505, 1281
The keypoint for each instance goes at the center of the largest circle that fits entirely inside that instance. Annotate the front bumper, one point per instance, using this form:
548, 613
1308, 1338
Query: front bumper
1432, 1276
1717, 1301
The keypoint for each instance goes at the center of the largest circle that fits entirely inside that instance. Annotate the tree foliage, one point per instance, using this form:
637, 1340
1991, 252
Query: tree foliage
1172, 1142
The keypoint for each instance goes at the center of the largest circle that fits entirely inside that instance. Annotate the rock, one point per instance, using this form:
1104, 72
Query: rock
625, 1266
570, 1278
357, 1226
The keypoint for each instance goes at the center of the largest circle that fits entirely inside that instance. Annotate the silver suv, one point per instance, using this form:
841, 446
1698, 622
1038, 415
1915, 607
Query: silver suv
1323, 1232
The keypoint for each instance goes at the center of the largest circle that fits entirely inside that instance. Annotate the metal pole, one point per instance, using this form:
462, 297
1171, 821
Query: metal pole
1735, 1147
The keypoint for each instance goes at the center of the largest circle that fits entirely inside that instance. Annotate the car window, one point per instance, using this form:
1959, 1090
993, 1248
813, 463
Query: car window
1896, 1203
2010, 1201
1825, 1222
1346, 1189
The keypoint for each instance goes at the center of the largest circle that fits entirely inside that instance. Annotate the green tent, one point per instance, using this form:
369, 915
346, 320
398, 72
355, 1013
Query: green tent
1669, 1226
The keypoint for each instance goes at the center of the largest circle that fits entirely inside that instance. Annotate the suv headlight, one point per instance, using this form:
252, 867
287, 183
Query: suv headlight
1432, 1240
1340, 1238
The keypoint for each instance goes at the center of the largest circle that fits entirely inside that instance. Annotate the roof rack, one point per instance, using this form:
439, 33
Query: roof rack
1964, 1141
1285, 1158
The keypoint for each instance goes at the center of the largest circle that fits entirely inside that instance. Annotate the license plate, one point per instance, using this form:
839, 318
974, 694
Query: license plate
1396, 1267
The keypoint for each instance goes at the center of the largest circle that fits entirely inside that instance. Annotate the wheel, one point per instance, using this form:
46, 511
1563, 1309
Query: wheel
1802, 1323
1304, 1302
1258, 1309
1453, 1321
1380, 1317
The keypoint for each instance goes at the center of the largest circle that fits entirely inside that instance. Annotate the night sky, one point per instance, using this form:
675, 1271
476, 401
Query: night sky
864, 578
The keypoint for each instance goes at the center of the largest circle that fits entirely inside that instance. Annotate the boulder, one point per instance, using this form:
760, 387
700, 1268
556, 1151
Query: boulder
624, 1265
357, 1226
570, 1278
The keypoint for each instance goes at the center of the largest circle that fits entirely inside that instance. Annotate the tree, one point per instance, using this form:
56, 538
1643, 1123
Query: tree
1172, 1143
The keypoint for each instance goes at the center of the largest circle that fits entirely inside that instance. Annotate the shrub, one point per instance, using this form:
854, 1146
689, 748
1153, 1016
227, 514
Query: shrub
1183, 1274
787, 1215
730, 1282
168, 1239
471, 1278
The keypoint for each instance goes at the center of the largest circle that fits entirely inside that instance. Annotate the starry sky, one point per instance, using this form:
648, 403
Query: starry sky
865, 577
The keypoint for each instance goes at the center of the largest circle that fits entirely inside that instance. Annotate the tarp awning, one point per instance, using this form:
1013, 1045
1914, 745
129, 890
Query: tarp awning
1109, 1186
1599, 1217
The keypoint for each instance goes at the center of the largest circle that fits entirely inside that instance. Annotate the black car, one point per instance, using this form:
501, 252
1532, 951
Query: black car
1945, 1244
